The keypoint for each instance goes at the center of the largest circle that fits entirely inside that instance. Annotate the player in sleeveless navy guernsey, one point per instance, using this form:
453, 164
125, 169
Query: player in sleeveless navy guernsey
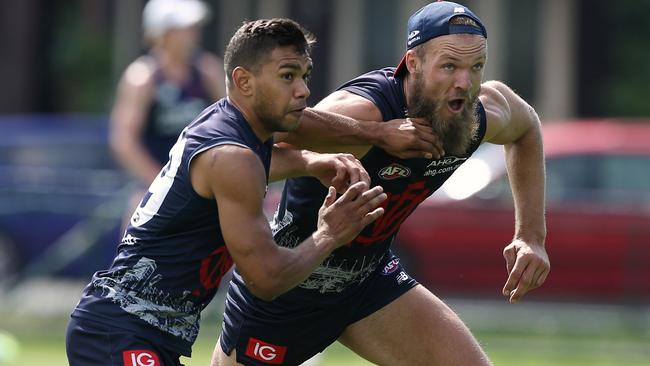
162, 91
361, 295
204, 211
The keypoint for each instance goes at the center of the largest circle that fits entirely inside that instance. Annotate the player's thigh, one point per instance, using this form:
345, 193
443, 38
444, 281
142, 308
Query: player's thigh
220, 358
415, 329
256, 354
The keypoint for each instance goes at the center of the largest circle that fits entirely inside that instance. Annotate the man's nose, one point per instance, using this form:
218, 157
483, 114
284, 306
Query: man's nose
463, 80
302, 90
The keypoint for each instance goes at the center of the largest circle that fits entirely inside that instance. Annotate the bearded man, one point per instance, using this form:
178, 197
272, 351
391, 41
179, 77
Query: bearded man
360, 295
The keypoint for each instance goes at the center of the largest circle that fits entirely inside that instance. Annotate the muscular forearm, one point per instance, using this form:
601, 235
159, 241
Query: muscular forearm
329, 132
271, 270
287, 161
525, 163
291, 266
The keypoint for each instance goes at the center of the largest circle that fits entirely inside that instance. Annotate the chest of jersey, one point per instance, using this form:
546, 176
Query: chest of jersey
407, 182
395, 174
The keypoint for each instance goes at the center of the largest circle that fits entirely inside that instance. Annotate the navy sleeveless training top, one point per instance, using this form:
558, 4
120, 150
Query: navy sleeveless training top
172, 257
407, 182
173, 107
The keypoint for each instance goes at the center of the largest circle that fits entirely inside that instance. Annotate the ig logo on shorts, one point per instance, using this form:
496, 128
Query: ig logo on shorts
265, 352
140, 358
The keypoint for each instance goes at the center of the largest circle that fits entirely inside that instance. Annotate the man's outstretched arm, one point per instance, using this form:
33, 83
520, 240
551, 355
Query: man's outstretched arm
234, 177
345, 122
514, 123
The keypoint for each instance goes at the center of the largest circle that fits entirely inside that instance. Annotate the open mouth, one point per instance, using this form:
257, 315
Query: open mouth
456, 105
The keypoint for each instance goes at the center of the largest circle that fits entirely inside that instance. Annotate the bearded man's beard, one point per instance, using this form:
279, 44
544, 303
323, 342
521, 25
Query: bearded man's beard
457, 132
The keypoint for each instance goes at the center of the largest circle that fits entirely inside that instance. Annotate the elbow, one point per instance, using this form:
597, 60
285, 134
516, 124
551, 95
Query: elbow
122, 146
266, 283
117, 144
262, 294
271, 277
266, 289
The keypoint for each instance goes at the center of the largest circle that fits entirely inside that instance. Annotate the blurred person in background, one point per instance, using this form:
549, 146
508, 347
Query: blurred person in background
361, 295
203, 211
162, 91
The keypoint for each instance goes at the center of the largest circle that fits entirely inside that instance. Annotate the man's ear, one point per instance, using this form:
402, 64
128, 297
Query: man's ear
244, 80
412, 62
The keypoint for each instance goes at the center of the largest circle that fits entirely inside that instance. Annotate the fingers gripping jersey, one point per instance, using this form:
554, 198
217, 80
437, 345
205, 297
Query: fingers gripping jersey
172, 257
407, 182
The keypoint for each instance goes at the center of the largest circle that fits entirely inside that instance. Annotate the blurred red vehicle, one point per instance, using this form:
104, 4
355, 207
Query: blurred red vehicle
598, 218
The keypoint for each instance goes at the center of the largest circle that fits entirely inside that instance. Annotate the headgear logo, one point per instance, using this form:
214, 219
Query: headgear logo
265, 352
394, 171
140, 358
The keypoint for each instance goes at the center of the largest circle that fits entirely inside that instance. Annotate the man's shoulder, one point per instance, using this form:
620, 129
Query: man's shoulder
493, 96
222, 124
497, 100
351, 104
494, 89
232, 155
140, 73
382, 89
380, 78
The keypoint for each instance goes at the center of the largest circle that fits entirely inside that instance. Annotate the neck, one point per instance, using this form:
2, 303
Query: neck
174, 64
405, 85
246, 108
172, 58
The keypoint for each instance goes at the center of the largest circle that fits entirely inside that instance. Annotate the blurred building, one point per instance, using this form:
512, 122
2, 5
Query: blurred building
570, 58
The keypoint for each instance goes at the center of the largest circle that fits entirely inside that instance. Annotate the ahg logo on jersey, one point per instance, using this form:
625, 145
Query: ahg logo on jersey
445, 161
140, 358
265, 352
394, 171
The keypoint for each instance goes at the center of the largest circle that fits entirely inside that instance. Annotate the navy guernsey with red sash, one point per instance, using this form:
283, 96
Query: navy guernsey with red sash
407, 182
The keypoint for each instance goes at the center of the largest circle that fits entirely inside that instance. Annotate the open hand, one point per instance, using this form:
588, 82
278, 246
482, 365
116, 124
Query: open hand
342, 219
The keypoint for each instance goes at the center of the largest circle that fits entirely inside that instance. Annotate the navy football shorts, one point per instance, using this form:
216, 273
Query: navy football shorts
94, 344
287, 332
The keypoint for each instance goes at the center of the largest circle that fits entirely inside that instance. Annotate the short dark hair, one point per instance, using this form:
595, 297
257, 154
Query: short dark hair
254, 40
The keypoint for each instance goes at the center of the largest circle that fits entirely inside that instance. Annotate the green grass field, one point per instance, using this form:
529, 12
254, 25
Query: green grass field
41, 342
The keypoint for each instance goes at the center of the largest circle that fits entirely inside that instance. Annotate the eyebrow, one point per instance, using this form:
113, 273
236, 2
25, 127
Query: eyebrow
290, 65
457, 59
295, 66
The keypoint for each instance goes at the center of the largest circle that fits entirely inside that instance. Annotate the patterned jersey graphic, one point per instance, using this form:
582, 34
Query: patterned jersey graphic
135, 292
